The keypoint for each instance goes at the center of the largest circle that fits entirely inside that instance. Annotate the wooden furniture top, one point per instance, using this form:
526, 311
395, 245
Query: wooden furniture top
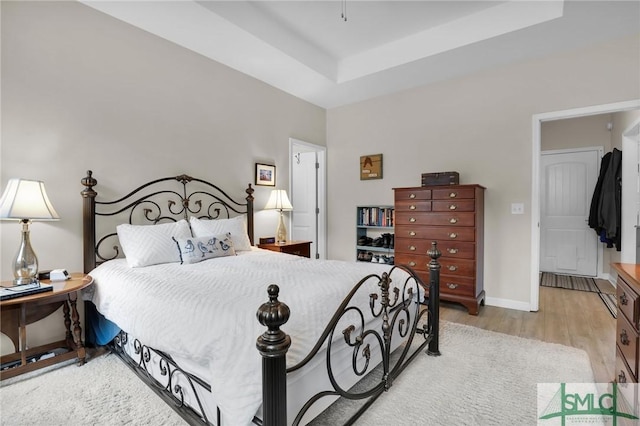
288, 243
78, 281
629, 271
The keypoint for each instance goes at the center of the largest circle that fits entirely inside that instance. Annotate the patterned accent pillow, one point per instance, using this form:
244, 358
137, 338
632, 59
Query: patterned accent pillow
194, 250
145, 245
236, 226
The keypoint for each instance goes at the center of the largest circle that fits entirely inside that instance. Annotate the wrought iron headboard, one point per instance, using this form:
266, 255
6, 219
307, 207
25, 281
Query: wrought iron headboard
145, 206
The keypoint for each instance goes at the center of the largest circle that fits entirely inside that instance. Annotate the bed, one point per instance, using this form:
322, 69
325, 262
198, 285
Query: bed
230, 334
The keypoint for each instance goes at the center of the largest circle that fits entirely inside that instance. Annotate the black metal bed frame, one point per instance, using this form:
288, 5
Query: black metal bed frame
410, 308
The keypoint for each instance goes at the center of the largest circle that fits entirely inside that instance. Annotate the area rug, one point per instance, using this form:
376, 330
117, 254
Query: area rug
481, 378
569, 282
605, 290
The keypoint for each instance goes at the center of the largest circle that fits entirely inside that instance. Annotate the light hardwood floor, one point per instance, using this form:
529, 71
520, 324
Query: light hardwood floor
568, 317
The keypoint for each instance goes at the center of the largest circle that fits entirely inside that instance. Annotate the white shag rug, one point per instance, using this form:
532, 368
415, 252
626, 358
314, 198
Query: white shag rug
482, 378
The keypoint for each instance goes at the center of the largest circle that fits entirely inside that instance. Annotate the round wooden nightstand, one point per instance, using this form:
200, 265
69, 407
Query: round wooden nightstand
19, 312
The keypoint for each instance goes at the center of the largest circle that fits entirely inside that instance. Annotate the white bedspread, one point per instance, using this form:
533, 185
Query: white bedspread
207, 312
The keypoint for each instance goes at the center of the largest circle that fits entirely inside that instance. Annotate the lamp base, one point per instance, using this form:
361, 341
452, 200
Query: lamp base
281, 232
25, 281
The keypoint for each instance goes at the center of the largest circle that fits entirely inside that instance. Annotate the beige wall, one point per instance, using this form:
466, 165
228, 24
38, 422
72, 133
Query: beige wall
577, 132
480, 126
82, 90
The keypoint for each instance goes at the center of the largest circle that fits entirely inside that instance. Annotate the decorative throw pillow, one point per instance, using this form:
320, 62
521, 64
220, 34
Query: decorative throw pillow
145, 245
194, 250
236, 226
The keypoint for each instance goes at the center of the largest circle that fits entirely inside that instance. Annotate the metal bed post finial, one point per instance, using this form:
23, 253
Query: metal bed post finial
273, 345
434, 298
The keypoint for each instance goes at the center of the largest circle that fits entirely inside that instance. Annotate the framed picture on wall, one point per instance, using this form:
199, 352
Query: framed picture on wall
265, 175
371, 167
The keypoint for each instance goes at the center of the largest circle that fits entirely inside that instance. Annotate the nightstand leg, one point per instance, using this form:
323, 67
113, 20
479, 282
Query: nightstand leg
23, 334
67, 321
77, 330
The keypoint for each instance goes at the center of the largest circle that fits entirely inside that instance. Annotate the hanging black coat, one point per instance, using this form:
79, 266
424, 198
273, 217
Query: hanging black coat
595, 200
610, 211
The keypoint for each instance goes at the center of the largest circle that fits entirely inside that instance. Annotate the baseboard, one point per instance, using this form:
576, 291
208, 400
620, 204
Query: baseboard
508, 304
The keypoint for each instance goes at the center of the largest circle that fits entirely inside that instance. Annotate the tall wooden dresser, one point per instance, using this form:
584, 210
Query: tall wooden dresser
628, 328
453, 216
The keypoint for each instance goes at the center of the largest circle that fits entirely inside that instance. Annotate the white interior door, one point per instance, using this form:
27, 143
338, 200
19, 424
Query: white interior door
567, 244
308, 217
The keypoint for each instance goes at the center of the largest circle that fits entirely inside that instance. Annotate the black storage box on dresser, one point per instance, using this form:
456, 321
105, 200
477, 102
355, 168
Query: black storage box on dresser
440, 178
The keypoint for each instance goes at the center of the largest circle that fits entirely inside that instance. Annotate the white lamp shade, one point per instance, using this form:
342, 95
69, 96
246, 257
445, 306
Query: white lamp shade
26, 199
279, 200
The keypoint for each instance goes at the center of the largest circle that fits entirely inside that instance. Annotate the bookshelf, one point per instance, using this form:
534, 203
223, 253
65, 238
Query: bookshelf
374, 234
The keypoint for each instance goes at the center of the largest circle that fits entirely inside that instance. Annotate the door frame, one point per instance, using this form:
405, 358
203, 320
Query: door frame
536, 124
600, 151
321, 190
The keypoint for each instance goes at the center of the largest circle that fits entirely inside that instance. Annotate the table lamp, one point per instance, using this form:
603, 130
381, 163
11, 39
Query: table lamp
279, 201
26, 200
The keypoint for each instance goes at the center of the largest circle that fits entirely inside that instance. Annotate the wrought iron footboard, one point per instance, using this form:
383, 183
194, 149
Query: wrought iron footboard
170, 385
411, 308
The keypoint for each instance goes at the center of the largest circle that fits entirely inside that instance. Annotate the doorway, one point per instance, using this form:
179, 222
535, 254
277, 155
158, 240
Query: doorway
567, 244
537, 121
308, 195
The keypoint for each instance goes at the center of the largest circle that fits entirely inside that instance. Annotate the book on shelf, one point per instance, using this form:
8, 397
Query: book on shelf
376, 216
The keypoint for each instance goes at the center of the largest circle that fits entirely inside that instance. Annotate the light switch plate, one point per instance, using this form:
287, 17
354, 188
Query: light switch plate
517, 208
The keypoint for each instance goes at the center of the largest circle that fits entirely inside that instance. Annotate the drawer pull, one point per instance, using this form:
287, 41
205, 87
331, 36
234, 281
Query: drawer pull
453, 220
412, 207
452, 268
623, 299
452, 207
412, 233
624, 338
622, 378
412, 219
412, 248
453, 235
452, 250
453, 194
412, 263
452, 286
412, 196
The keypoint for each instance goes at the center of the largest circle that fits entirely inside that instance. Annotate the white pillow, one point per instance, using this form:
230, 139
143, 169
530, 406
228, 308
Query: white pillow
236, 226
145, 245
194, 250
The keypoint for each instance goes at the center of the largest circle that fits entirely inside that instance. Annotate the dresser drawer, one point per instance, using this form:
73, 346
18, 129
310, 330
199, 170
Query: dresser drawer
627, 343
453, 193
452, 267
416, 261
453, 206
622, 372
452, 249
413, 246
437, 233
413, 206
627, 301
449, 285
457, 249
412, 194
457, 267
462, 286
435, 219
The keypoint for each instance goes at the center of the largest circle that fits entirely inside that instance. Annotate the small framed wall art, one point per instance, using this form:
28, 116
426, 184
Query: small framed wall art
371, 167
265, 175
